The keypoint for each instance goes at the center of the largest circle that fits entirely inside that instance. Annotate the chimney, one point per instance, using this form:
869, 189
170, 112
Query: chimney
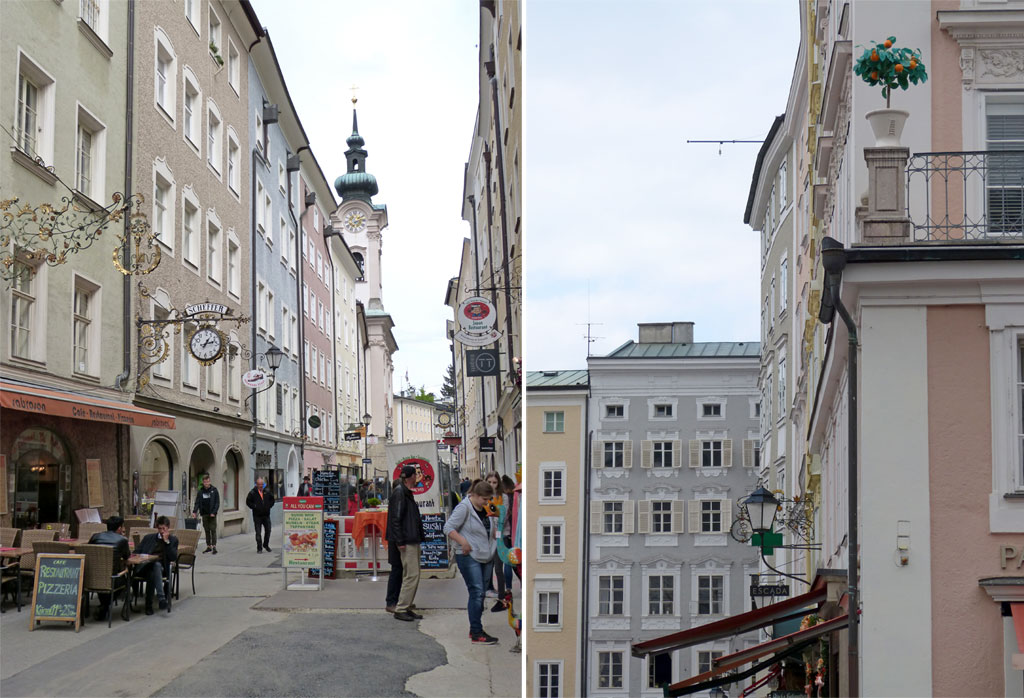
665, 332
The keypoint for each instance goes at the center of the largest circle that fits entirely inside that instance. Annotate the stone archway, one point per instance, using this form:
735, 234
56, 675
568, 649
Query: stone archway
156, 472
42, 481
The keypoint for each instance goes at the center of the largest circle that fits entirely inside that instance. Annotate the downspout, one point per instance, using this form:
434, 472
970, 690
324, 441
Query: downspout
123, 435
455, 406
504, 215
833, 257
490, 265
585, 528
255, 301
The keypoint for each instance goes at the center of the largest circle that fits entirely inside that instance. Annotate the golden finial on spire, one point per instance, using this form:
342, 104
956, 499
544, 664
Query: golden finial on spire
354, 98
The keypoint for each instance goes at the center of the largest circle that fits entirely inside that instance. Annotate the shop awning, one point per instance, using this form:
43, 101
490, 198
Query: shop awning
734, 625
778, 648
56, 403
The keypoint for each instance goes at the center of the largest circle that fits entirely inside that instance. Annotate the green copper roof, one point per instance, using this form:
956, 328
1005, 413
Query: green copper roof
357, 183
557, 379
696, 350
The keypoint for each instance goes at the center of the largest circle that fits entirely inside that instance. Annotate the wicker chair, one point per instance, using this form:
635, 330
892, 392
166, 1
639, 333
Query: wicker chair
62, 530
9, 537
188, 542
104, 573
131, 522
28, 538
140, 532
86, 530
50, 546
10, 575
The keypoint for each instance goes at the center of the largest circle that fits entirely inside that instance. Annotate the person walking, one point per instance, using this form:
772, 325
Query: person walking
494, 480
405, 533
305, 489
207, 505
470, 528
261, 500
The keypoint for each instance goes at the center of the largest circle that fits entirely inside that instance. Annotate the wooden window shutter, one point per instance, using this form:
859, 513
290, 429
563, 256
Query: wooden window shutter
597, 455
694, 524
726, 514
644, 516
645, 453
627, 516
748, 453
596, 516
677, 517
727, 453
677, 453
694, 453
627, 454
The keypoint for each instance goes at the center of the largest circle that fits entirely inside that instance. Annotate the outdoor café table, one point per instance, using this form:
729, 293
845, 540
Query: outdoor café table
133, 561
375, 521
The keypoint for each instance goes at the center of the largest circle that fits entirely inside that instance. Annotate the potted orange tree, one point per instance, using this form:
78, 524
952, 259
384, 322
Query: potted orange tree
893, 68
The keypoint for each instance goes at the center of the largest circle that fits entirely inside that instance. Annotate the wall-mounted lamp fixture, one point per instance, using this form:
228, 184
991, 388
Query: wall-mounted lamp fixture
902, 543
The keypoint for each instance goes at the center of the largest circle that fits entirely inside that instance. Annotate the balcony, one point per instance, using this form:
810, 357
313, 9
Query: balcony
973, 197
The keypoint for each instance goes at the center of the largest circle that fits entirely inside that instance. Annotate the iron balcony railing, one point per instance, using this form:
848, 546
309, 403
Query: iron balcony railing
966, 196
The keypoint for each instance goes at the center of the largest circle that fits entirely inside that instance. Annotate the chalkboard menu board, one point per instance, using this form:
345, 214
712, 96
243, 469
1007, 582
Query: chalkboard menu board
58, 588
434, 549
330, 542
327, 484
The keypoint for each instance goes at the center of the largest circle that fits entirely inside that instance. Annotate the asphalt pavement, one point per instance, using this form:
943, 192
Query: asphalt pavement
242, 634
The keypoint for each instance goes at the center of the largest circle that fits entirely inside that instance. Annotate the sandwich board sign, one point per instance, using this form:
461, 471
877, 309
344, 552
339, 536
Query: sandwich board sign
57, 594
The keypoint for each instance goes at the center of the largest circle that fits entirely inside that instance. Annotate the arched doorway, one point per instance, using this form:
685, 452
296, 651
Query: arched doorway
231, 483
293, 473
156, 472
201, 462
42, 479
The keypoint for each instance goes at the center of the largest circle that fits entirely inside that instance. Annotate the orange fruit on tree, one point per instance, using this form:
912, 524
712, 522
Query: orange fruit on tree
874, 55
888, 44
913, 64
874, 74
898, 67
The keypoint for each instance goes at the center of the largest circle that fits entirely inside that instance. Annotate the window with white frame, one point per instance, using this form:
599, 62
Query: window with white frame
90, 161
320, 265
314, 355
783, 407
611, 594
614, 454
234, 373
552, 484
163, 207
660, 595
192, 14
710, 453
189, 365
234, 162
260, 145
752, 453
165, 78
614, 411
661, 454
305, 355
711, 409
290, 251
294, 325
161, 312
234, 267
35, 117
783, 284
550, 534
711, 516
271, 316
214, 378
23, 309
261, 211
710, 592
609, 669
659, 670
661, 516
614, 517
215, 139
268, 216
554, 422
549, 679
215, 33
282, 178
214, 259
190, 229
548, 609
323, 372
234, 66
662, 410
193, 113
1004, 131
705, 659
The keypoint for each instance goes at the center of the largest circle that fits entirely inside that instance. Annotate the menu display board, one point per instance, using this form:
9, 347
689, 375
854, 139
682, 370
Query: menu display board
327, 484
434, 549
57, 594
330, 550
303, 524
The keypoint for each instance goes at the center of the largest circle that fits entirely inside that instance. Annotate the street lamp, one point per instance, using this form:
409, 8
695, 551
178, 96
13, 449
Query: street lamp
273, 357
762, 506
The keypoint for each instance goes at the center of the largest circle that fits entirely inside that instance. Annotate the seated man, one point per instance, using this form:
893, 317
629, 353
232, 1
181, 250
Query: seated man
165, 545
114, 537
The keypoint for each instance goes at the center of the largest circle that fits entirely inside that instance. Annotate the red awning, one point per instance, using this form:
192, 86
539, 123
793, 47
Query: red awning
734, 625
777, 646
55, 403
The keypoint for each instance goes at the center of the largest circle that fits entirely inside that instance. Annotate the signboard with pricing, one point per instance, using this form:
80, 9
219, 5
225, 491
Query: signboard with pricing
434, 548
57, 594
303, 531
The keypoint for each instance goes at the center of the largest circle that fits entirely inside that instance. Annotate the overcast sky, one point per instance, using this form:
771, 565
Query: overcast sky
415, 64
615, 199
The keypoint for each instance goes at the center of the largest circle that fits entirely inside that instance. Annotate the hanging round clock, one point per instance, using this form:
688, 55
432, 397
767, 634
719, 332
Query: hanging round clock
207, 345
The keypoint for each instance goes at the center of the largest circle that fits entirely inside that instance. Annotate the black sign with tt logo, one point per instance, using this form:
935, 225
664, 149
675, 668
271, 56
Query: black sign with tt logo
482, 362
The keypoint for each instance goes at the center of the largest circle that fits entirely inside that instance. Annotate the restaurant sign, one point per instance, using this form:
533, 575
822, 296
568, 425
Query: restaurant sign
303, 527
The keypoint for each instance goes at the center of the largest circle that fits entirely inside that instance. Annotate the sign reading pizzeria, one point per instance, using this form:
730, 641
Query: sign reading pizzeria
424, 474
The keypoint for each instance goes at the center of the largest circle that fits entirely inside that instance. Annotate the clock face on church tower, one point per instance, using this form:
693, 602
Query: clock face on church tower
355, 221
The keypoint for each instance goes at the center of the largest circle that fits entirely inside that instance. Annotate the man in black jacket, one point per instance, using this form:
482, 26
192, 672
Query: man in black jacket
114, 537
208, 504
261, 500
404, 534
164, 545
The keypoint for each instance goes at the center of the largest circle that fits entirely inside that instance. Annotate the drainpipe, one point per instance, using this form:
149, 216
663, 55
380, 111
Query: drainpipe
255, 302
585, 528
833, 257
490, 265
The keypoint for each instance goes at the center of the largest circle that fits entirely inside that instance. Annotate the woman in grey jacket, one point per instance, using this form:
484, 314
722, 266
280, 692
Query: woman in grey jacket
472, 530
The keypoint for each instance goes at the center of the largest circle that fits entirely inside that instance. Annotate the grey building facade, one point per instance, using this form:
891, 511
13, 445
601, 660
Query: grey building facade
673, 426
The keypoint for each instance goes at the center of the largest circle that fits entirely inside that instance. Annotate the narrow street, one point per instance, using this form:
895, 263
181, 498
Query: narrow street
241, 635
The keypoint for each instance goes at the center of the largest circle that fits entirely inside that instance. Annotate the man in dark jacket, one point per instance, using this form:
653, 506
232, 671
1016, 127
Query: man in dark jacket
305, 489
208, 504
261, 500
165, 546
114, 537
404, 534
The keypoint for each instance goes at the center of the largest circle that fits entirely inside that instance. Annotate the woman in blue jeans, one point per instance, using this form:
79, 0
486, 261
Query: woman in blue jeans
472, 530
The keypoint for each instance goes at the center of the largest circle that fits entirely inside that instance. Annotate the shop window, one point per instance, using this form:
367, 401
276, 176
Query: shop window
155, 473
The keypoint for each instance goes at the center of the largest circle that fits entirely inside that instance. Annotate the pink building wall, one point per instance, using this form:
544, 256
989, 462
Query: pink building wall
967, 628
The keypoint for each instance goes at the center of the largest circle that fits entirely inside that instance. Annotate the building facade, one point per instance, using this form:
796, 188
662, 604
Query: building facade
557, 420
672, 430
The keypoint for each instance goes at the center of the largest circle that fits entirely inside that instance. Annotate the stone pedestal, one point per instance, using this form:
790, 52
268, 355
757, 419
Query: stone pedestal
885, 221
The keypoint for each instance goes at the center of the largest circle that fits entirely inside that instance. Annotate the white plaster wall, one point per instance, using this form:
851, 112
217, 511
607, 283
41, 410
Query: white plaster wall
896, 601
